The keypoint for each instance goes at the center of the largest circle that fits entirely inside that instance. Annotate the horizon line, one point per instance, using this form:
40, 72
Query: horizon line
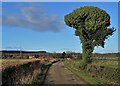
53, 51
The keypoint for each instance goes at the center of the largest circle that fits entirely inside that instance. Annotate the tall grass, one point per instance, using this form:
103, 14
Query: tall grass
6, 63
42, 75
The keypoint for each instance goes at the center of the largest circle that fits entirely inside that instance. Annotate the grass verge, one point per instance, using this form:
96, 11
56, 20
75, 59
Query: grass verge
83, 74
41, 77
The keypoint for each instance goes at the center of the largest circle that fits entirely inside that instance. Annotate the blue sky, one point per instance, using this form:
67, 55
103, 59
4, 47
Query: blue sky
60, 0
40, 26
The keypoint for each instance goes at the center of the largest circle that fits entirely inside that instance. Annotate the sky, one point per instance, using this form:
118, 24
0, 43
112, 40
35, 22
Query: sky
60, 0
40, 26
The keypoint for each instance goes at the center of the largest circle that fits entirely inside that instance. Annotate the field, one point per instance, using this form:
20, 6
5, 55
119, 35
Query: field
102, 70
6, 63
109, 62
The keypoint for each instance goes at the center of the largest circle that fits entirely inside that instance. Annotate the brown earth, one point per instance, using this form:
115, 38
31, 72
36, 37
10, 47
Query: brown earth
58, 74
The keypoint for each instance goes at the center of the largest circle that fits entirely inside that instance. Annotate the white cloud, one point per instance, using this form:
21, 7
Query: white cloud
34, 19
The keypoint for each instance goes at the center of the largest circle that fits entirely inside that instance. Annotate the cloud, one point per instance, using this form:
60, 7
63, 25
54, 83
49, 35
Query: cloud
34, 19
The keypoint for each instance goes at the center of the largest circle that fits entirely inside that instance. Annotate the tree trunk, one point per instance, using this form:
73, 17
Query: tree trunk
87, 50
86, 53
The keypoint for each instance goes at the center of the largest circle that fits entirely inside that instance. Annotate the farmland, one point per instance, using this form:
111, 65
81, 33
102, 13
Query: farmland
14, 58
6, 63
103, 66
24, 67
111, 62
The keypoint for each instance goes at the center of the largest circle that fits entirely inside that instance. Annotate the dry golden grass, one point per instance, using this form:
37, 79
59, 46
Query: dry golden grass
5, 63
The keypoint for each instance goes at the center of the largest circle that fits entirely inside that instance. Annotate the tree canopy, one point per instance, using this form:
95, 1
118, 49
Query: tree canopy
92, 22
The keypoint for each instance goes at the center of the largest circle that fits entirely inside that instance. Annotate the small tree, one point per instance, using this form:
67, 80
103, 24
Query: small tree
91, 25
63, 55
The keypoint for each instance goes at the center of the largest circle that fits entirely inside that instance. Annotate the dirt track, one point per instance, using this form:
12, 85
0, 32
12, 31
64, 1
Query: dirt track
58, 74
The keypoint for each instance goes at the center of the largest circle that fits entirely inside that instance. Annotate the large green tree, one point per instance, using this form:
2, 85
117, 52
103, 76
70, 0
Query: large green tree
91, 24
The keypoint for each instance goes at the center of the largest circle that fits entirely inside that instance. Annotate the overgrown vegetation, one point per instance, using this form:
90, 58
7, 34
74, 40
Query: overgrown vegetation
20, 74
41, 77
82, 73
95, 74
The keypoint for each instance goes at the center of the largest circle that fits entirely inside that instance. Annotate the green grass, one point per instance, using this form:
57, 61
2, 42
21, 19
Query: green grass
83, 74
112, 65
106, 63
